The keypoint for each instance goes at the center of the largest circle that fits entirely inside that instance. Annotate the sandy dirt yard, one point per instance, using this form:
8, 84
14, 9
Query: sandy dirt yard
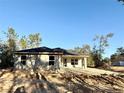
92, 71
77, 80
118, 68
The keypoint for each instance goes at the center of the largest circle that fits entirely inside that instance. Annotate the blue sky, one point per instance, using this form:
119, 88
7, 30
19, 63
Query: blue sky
65, 23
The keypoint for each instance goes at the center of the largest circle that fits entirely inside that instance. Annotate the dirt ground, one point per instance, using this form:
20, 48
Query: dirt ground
62, 81
92, 71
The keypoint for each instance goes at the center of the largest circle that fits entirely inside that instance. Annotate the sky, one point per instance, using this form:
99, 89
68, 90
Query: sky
65, 23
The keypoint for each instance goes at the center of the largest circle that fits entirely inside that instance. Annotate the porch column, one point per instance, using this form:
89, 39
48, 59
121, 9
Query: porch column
60, 62
85, 63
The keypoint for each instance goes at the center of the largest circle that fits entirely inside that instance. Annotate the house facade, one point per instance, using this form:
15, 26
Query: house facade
118, 63
45, 57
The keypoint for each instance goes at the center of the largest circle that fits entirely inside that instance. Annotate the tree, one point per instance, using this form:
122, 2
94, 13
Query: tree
6, 57
85, 49
7, 49
12, 39
118, 55
114, 57
37, 39
120, 51
34, 40
100, 44
24, 42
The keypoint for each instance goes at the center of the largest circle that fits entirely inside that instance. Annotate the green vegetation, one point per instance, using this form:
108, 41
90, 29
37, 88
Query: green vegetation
33, 40
118, 55
23, 42
100, 44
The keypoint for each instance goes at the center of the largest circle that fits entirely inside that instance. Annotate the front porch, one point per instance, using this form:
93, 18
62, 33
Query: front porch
72, 61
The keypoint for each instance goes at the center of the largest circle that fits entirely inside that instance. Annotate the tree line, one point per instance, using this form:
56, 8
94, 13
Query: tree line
118, 55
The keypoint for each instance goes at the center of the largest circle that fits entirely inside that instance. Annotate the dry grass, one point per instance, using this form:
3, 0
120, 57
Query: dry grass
118, 68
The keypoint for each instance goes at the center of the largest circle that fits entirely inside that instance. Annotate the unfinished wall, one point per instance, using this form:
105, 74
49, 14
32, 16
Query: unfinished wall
34, 61
82, 63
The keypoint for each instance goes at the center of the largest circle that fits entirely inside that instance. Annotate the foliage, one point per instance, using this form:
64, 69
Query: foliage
6, 57
12, 43
120, 51
100, 44
23, 42
85, 49
11, 39
118, 55
106, 60
34, 40
96, 58
90, 61
7, 49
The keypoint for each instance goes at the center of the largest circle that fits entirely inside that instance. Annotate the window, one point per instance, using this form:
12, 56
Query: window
74, 61
51, 57
65, 62
23, 60
23, 57
51, 60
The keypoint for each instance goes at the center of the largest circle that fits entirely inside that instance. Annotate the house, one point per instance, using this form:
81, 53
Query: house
49, 58
118, 63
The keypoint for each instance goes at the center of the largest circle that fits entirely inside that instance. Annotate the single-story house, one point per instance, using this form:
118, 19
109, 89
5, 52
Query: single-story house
49, 58
118, 63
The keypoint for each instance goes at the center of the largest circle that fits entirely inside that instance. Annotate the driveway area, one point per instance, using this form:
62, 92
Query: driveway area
92, 71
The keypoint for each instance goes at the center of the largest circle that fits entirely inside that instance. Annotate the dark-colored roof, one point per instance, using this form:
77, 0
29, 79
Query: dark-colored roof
39, 49
64, 51
45, 49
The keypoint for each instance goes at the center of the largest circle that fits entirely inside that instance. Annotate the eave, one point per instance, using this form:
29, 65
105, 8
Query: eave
75, 56
38, 53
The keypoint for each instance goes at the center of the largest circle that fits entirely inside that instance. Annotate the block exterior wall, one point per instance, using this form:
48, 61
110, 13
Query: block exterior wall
37, 61
82, 63
43, 61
